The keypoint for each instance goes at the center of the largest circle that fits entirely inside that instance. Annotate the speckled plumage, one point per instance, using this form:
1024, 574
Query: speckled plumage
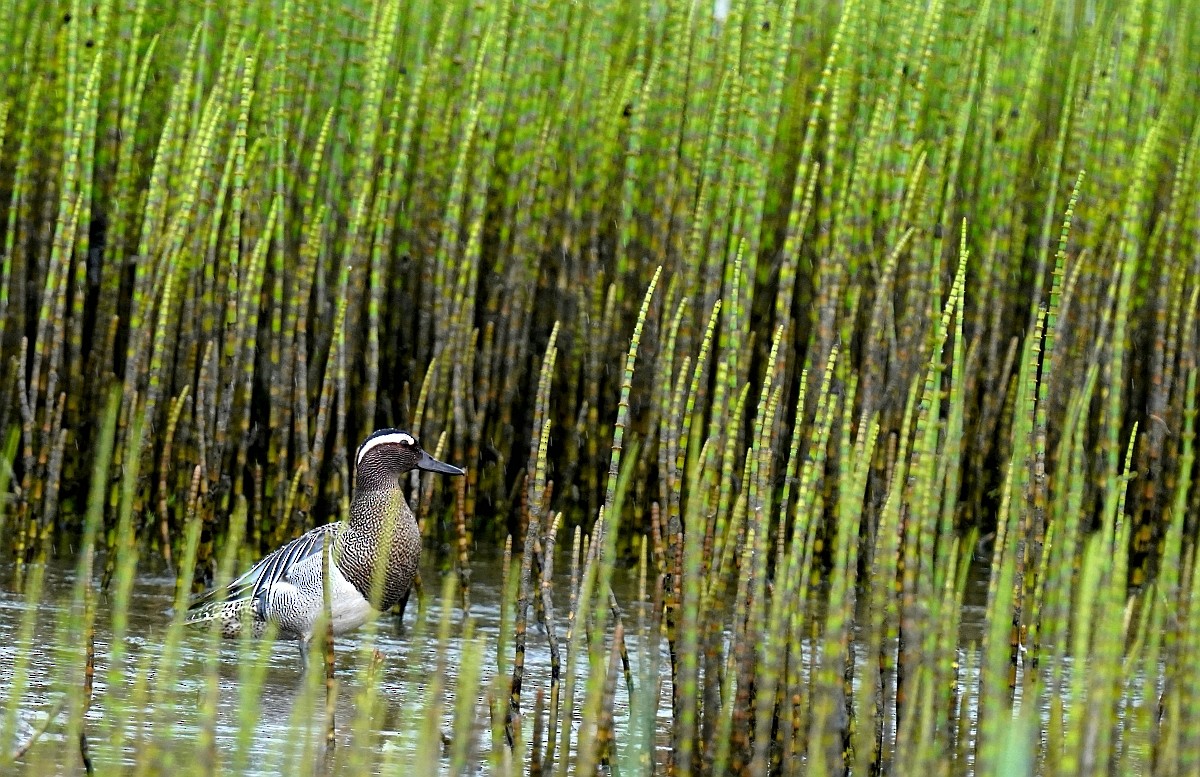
286, 586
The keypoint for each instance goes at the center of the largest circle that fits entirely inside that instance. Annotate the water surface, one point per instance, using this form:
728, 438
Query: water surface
408, 650
274, 735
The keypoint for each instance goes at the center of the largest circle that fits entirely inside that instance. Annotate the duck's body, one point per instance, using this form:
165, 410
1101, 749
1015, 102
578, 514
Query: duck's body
287, 588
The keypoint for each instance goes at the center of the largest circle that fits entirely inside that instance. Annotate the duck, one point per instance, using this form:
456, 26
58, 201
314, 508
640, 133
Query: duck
286, 588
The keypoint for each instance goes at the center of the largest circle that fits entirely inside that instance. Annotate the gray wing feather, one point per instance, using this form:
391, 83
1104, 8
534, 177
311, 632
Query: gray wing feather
274, 567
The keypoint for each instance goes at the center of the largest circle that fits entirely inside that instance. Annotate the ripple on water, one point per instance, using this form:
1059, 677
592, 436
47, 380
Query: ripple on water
411, 660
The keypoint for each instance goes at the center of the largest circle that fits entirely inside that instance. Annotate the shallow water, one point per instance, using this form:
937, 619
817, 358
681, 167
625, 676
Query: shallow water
410, 659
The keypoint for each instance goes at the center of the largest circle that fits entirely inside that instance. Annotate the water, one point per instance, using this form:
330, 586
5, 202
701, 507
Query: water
410, 660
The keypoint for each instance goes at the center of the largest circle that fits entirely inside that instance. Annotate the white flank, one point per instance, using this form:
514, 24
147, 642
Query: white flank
350, 608
395, 438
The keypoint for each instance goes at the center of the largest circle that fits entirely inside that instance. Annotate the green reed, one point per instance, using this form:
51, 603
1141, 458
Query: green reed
841, 320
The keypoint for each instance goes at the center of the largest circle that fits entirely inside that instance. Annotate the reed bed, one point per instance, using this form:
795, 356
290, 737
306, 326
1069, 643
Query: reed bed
794, 321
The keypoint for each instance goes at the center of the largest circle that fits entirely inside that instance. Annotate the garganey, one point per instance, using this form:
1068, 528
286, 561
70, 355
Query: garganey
286, 587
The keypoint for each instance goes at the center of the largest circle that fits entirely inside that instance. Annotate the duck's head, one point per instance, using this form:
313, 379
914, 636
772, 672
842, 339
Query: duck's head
389, 453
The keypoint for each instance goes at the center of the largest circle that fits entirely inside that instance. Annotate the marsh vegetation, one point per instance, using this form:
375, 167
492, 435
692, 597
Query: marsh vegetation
765, 342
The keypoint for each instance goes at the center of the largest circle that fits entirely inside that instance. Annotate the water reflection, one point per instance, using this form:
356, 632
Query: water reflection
268, 744
410, 659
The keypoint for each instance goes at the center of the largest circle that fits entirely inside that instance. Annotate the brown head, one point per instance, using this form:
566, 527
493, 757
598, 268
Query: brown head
389, 453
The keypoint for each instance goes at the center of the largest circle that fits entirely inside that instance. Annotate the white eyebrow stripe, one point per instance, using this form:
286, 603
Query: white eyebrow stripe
395, 438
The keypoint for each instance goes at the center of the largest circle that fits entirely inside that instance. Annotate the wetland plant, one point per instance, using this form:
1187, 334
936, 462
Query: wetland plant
826, 372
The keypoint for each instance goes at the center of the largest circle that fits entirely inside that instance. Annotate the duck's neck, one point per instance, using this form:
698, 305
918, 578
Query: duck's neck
382, 535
